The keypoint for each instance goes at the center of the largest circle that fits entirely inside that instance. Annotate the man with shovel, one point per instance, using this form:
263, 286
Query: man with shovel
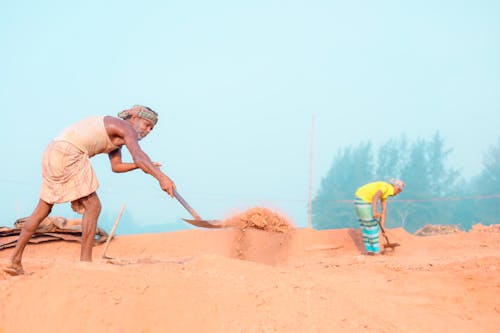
368, 197
67, 175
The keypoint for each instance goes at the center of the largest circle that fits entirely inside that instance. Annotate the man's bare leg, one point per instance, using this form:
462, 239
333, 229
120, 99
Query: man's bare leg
42, 210
92, 206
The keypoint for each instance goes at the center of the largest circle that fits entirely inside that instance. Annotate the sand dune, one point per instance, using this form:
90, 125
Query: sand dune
234, 280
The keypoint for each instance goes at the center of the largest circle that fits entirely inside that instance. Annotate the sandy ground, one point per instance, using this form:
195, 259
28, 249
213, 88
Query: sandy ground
251, 280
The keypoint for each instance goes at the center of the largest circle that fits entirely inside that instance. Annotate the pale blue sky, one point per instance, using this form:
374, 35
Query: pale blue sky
235, 84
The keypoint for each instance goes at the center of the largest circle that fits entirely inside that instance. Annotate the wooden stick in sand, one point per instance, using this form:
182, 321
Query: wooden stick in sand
112, 233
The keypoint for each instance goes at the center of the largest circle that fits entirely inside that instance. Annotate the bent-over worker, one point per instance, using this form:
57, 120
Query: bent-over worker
368, 197
68, 176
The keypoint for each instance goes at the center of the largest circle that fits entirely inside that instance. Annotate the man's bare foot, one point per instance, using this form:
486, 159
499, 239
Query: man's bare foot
14, 270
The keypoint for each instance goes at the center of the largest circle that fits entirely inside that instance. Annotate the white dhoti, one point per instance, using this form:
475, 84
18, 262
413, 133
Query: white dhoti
67, 174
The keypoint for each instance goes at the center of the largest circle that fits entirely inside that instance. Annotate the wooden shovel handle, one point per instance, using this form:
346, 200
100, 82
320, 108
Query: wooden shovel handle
184, 203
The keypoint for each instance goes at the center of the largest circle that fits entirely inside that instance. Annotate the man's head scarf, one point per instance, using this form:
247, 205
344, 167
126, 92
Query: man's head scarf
141, 112
398, 183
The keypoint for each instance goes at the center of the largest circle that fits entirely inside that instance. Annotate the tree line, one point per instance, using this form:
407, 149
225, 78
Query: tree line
435, 193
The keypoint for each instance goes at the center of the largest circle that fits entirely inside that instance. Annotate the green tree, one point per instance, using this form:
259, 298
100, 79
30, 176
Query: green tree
487, 184
333, 205
428, 180
391, 158
465, 209
421, 164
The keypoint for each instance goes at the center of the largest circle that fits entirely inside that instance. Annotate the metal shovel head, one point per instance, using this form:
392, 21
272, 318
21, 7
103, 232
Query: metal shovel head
391, 245
387, 244
206, 223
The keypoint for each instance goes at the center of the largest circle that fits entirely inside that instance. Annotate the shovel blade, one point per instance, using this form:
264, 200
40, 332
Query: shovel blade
206, 223
391, 245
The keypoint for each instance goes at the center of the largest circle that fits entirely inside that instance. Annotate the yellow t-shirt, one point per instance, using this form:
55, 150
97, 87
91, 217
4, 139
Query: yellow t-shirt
367, 191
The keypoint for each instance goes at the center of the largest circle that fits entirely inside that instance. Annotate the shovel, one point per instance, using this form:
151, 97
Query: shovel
197, 220
387, 243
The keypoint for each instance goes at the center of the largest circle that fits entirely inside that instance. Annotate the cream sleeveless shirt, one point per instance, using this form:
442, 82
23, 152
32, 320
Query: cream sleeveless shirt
89, 135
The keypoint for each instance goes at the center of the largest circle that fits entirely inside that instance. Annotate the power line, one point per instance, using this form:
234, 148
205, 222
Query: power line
473, 197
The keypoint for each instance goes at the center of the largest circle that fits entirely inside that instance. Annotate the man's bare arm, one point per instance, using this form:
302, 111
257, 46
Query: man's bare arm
384, 213
117, 165
375, 201
124, 133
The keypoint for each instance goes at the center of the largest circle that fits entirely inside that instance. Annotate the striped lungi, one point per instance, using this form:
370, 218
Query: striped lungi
67, 174
369, 226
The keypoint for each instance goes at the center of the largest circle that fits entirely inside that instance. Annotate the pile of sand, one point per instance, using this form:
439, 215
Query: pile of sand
190, 281
260, 235
260, 218
433, 230
483, 228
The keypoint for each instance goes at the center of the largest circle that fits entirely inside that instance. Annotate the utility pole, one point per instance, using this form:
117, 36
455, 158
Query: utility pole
311, 167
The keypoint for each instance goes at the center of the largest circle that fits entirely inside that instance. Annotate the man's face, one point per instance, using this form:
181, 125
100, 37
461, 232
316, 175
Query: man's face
142, 127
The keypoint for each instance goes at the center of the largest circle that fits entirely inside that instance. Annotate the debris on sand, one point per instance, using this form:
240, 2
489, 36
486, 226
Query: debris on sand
437, 229
52, 228
260, 218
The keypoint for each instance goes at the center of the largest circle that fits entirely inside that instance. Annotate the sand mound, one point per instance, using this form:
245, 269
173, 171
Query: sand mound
260, 218
433, 230
483, 228
261, 235
190, 281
